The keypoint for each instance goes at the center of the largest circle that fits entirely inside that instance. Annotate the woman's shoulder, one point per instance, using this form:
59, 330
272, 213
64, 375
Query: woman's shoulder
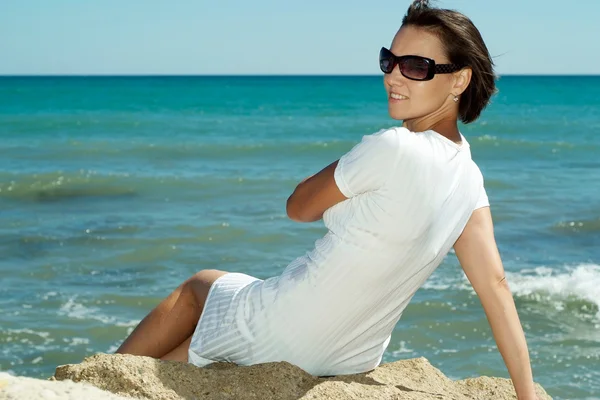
395, 136
397, 142
396, 131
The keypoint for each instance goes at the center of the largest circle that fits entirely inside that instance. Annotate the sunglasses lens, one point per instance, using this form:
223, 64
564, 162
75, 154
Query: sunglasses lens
386, 65
386, 61
415, 68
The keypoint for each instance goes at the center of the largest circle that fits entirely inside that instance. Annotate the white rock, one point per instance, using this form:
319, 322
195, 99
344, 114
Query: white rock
22, 388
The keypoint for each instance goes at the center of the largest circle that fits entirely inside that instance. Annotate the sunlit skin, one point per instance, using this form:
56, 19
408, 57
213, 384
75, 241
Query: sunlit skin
430, 104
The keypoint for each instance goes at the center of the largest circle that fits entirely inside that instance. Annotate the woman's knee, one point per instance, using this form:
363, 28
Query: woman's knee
206, 276
201, 281
199, 284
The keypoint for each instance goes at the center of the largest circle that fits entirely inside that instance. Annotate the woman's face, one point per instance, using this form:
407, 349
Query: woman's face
418, 99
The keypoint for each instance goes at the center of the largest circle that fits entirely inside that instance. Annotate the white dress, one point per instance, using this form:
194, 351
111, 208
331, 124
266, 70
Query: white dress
332, 310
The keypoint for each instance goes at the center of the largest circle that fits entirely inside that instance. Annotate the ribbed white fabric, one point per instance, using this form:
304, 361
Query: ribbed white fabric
333, 309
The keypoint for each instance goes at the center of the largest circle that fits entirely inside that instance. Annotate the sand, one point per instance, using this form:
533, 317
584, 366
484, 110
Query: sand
147, 378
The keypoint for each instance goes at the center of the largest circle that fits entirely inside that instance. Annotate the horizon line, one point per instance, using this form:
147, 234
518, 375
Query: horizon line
261, 75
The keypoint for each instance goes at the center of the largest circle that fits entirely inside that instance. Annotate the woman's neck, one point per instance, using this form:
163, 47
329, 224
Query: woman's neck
447, 127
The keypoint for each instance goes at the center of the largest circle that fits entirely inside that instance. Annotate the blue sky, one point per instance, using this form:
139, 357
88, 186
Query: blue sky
276, 37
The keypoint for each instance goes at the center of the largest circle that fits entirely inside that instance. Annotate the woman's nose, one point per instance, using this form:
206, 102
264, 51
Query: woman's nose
395, 78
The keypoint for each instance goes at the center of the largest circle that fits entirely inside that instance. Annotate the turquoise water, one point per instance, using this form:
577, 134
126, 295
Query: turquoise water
114, 190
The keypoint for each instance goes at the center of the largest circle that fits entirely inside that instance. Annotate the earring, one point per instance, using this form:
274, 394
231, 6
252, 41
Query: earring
455, 99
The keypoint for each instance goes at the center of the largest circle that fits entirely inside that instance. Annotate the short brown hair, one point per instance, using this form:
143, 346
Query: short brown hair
463, 45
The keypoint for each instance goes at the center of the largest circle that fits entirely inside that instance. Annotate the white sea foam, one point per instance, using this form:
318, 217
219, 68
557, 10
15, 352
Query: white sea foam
75, 341
75, 310
398, 353
581, 281
113, 348
43, 335
23, 338
555, 285
487, 138
27, 336
48, 295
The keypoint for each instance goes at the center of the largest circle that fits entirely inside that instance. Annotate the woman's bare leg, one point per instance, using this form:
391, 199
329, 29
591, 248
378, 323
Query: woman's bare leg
179, 353
173, 321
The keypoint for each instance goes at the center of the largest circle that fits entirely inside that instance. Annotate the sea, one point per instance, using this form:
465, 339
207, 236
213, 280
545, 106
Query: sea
113, 190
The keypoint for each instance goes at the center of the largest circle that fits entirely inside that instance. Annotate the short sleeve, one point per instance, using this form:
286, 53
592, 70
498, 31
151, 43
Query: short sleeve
368, 164
482, 200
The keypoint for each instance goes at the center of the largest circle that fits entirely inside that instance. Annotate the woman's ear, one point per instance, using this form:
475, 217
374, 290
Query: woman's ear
462, 79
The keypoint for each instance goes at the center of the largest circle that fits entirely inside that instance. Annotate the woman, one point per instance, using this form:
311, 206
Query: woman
394, 206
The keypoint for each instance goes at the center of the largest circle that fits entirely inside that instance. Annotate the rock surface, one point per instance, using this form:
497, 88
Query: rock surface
21, 388
147, 378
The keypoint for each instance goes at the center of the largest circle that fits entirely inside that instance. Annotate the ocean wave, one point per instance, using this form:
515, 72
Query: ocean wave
578, 284
84, 184
56, 186
567, 288
76, 310
488, 141
181, 150
240, 146
25, 336
578, 226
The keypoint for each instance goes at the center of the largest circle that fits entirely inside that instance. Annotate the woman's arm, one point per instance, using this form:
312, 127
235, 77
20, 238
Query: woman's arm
314, 195
478, 255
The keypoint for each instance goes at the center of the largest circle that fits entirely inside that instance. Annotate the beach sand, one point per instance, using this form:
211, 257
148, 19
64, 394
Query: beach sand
147, 378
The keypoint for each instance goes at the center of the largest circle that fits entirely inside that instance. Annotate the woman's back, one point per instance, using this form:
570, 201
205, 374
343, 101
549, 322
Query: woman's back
333, 309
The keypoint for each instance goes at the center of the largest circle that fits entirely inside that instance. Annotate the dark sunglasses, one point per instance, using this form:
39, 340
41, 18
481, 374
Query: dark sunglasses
416, 68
